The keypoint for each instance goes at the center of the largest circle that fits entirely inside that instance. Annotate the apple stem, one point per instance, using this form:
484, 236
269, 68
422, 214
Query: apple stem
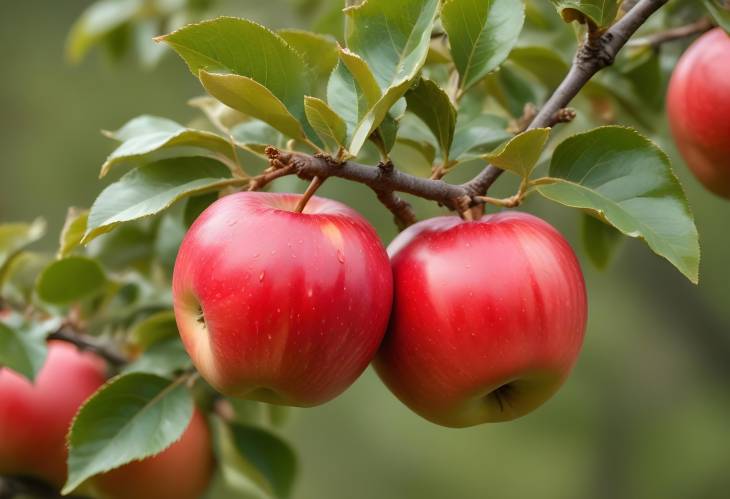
311, 189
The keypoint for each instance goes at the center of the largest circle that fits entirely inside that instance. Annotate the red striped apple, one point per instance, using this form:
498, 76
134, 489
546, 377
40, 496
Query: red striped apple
182, 471
698, 103
34, 418
488, 317
279, 306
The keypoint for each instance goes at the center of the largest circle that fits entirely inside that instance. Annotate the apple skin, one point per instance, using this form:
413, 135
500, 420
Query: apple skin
294, 305
698, 104
182, 471
488, 317
34, 418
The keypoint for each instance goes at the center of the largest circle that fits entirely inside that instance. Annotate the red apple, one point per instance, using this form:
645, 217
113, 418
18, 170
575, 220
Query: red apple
698, 103
34, 418
279, 306
488, 317
182, 471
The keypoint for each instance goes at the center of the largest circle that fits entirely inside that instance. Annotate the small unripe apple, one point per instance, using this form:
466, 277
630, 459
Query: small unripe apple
698, 103
34, 418
182, 471
488, 317
279, 306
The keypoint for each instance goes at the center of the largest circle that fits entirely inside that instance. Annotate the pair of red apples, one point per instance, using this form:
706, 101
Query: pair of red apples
466, 321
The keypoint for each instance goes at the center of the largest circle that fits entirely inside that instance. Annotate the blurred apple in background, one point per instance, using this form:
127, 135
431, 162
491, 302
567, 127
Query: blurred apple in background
698, 103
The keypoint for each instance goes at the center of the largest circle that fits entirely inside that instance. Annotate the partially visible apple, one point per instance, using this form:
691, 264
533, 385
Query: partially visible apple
280, 306
488, 317
698, 104
34, 418
182, 471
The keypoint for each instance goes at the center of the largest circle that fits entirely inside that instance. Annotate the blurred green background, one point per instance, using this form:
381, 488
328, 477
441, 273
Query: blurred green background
646, 413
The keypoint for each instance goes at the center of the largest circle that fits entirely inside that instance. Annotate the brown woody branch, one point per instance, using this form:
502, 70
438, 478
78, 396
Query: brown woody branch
89, 344
657, 39
596, 53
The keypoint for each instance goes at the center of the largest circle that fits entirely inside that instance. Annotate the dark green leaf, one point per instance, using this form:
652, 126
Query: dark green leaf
326, 123
131, 245
601, 13
133, 417
600, 240
23, 349
318, 51
481, 35
151, 188
545, 63
474, 137
427, 101
141, 140
70, 279
257, 461
254, 99
155, 328
627, 181
196, 205
393, 38
521, 153
247, 67
163, 358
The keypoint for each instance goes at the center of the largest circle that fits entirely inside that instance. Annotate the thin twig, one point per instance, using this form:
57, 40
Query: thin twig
661, 37
89, 344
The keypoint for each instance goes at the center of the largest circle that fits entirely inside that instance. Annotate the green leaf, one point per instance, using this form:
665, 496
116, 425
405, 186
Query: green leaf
131, 245
326, 123
545, 63
221, 116
521, 153
481, 34
476, 136
363, 75
513, 88
427, 101
163, 358
344, 94
70, 279
132, 417
600, 13
600, 240
247, 67
155, 328
98, 20
254, 99
318, 51
73, 231
644, 73
720, 11
23, 349
20, 276
143, 139
196, 205
255, 135
16, 236
151, 188
256, 461
627, 181
393, 39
